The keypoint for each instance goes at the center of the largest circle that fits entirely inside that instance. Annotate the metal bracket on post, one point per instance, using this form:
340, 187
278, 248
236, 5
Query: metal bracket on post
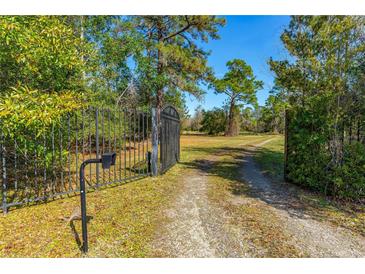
154, 156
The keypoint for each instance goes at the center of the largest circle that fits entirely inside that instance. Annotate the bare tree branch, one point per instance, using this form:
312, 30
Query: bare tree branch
187, 39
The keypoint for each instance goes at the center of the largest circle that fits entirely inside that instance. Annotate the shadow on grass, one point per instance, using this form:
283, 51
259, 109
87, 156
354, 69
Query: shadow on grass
76, 234
227, 169
246, 178
271, 163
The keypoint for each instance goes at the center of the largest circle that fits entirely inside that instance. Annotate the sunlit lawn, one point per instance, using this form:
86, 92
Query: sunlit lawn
123, 218
270, 157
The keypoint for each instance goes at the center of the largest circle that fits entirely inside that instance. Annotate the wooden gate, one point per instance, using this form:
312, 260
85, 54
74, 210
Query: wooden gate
169, 138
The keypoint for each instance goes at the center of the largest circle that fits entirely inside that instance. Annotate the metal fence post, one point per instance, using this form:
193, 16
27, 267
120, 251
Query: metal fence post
35, 182
4, 175
97, 144
154, 158
148, 157
286, 145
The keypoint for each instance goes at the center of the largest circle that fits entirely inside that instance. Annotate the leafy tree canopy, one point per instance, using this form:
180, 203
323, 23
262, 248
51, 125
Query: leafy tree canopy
240, 85
171, 58
41, 52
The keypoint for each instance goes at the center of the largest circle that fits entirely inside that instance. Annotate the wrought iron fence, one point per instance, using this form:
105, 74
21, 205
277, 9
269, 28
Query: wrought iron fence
40, 167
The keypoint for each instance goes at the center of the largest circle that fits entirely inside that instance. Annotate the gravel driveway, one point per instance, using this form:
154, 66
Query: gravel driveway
196, 227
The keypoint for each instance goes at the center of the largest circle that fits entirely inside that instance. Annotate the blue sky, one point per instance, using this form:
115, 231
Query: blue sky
251, 38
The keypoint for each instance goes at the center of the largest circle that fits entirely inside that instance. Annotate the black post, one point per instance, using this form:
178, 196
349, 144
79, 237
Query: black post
97, 143
154, 155
149, 156
85, 247
107, 160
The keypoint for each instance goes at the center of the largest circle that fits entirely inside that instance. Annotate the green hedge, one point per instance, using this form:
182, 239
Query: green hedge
309, 158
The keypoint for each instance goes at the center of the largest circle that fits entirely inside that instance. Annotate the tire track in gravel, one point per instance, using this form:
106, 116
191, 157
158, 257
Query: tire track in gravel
195, 228
318, 239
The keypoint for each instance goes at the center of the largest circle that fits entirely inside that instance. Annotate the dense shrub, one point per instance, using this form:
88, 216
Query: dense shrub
27, 118
214, 121
24, 111
310, 162
42, 52
322, 84
349, 178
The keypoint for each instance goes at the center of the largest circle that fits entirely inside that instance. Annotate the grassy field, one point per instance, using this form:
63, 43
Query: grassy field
270, 157
124, 219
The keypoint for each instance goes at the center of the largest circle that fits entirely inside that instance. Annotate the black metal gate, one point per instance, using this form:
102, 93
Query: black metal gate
41, 168
169, 138
45, 166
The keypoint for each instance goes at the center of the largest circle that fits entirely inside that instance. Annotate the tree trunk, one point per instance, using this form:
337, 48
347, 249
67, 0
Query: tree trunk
358, 130
159, 94
350, 131
230, 128
82, 39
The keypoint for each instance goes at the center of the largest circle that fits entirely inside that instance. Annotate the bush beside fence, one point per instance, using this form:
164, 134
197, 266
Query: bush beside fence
40, 167
310, 153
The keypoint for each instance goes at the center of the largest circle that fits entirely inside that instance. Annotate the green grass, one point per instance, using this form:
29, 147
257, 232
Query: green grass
124, 218
262, 229
270, 157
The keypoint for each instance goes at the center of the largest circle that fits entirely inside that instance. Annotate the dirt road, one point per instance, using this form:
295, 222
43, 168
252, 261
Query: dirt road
197, 227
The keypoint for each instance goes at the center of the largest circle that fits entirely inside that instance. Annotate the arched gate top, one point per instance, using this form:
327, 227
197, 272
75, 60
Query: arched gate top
170, 112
